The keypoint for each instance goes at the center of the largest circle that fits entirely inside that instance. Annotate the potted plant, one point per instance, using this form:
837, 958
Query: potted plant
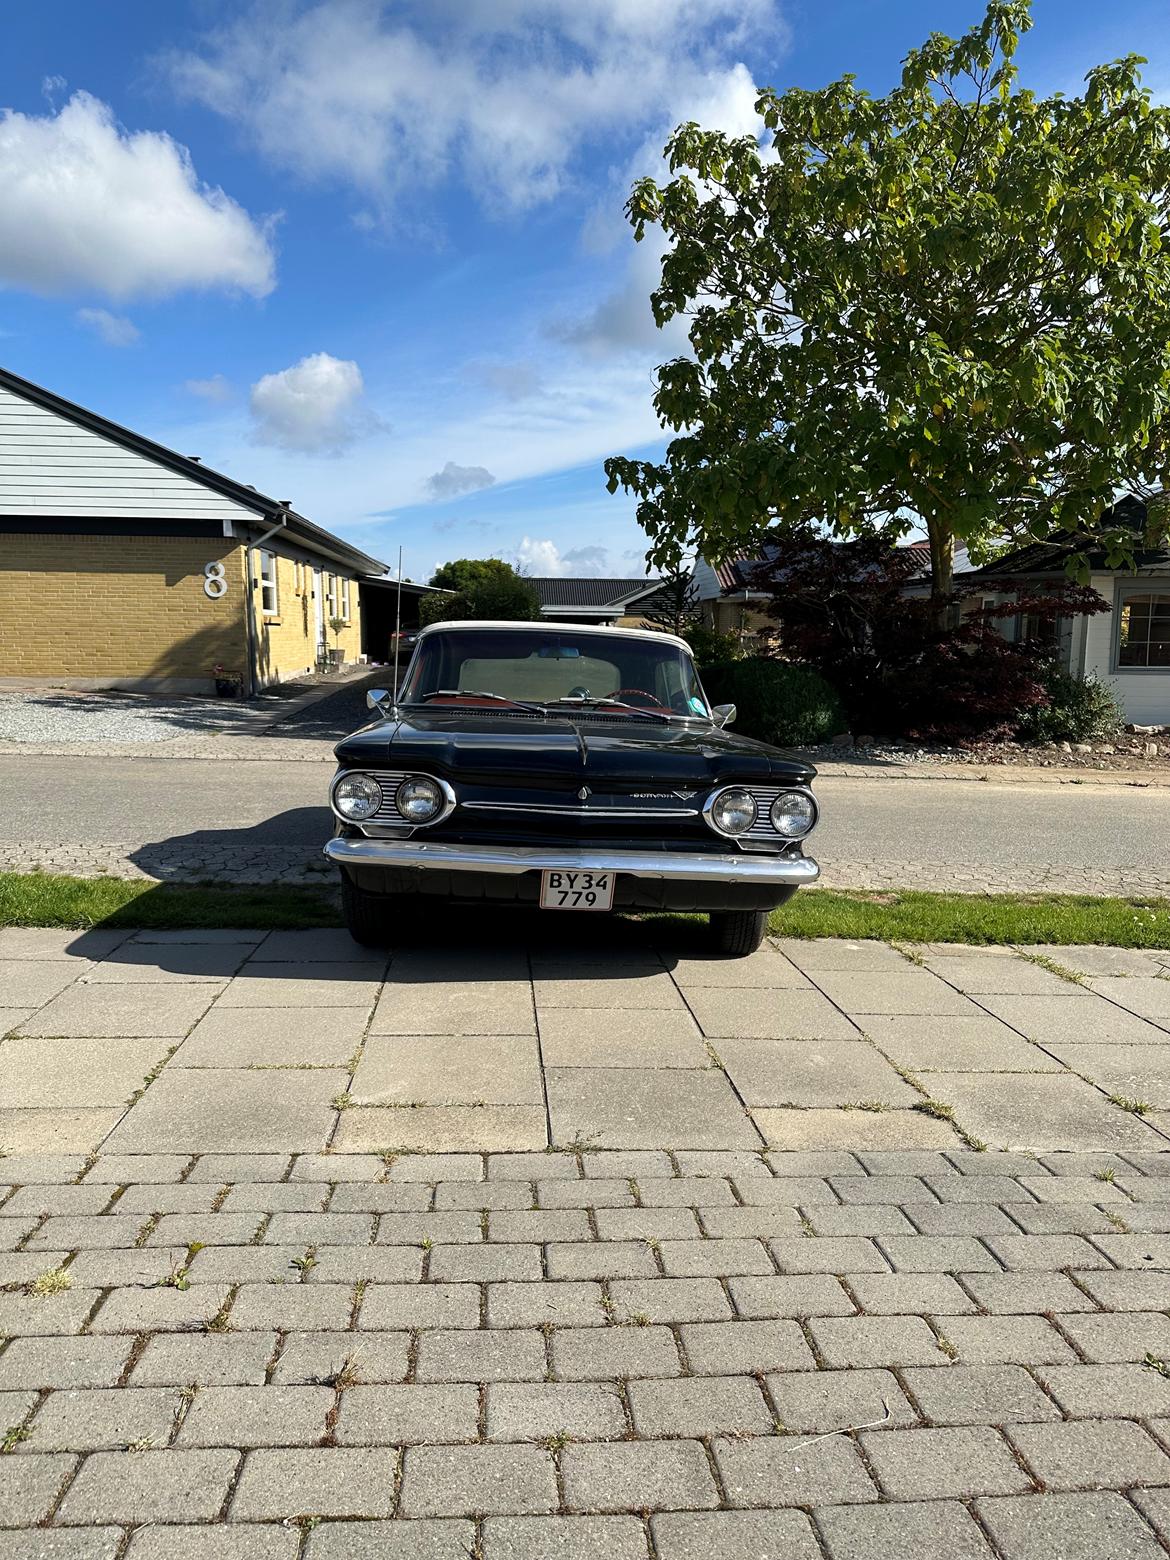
336, 624
228, 685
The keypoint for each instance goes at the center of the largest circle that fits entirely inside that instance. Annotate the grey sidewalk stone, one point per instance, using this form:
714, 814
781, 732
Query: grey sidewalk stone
158, 1486
472, 1480
638, 1475
1069, 1527
321, 1481
930, 1530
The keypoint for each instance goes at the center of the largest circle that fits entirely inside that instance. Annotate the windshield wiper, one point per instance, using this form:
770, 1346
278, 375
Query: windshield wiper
478, 693
617, 704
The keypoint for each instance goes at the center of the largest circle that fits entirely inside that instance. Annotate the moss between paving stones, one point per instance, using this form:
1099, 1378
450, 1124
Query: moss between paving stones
46, 899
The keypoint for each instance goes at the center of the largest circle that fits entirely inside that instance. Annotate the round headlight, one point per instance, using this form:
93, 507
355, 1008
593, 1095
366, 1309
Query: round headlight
419, 799
733, 812
357, 796
793, 814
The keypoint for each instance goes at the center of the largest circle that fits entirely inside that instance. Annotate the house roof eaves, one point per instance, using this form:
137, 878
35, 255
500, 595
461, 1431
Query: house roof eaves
260, 503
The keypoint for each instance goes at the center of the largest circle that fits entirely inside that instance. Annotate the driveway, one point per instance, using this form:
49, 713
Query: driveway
603, 1254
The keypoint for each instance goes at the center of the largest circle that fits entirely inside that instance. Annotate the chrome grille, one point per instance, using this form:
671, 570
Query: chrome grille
765, 795
389, 780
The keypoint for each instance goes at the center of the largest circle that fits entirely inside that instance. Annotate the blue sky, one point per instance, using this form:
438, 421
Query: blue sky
371, 257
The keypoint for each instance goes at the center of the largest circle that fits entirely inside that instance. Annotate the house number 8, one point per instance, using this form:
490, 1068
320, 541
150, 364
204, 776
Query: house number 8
214, 584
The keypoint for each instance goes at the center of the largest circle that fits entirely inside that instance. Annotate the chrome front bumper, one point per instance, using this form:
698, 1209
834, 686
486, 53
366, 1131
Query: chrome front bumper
511, 860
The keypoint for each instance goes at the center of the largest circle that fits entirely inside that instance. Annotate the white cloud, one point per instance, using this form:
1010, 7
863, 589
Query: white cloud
541, 556
314, 407
114, 329
455, 480
217, 388
86, 204
390, 100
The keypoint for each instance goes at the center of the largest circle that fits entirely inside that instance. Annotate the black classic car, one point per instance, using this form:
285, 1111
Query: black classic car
568, 768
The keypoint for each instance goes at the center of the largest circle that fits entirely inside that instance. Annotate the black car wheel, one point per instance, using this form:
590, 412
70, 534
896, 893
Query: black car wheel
369, 918
738, 932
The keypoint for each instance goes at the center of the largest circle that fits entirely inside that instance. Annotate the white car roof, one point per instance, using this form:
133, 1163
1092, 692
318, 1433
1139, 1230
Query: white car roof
549, 626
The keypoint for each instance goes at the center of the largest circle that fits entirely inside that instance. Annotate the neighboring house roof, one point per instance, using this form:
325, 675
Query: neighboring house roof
593, 600
1051, 557
237, 500
574, 592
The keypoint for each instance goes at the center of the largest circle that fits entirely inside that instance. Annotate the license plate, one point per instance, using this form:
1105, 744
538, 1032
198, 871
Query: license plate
576, 890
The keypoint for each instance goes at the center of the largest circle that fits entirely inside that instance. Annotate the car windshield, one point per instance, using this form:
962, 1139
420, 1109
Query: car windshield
614, 674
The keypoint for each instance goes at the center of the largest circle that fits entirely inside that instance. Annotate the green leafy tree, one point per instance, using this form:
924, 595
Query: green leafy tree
484, 588
949, 305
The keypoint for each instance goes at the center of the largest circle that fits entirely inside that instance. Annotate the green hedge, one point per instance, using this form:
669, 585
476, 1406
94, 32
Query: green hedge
777, 701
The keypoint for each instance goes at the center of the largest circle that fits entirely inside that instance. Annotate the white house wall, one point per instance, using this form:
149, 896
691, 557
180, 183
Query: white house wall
54, 467
1144, 694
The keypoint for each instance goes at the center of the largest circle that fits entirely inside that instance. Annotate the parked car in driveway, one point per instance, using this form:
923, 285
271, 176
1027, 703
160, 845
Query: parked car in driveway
574, 769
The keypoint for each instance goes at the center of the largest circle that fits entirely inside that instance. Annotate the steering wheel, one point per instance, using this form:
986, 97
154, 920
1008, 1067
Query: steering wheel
641, 693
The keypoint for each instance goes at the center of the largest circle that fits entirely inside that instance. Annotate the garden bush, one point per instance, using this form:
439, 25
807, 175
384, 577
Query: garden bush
1077, 710
776, 701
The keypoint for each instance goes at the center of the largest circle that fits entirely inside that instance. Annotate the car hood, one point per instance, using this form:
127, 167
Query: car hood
610, 753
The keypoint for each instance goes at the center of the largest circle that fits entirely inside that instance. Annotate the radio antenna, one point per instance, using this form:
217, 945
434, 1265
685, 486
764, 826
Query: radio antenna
397, 628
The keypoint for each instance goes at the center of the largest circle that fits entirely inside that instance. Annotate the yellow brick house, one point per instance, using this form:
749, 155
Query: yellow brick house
126, 565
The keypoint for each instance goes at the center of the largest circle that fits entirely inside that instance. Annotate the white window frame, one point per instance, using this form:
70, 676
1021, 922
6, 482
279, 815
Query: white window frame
1124, 592
269, 585
331, 596
345, 597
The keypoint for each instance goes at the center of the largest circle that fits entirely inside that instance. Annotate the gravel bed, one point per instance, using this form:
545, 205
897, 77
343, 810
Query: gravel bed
67, 716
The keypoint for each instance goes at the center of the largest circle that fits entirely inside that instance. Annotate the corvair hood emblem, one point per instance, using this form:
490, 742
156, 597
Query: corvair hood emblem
584, 794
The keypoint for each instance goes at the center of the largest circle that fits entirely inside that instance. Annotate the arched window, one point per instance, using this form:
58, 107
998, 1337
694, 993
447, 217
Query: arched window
1144, 629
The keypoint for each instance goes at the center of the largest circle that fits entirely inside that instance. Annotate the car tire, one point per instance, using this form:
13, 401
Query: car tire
369, 918
739, 932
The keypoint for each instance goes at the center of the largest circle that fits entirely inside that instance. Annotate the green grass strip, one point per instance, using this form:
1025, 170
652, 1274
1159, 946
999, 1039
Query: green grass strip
976, 918
45, 899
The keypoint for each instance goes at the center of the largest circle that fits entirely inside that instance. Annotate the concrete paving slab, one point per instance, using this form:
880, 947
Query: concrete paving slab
50, 942
322, 945
620, 1037
231, 1111
449, 1070
1006, 975
442, 1128
50, 1073
834, 953
1146, 995
812, 1072
273, 1037
765, 970
1093, 960
333, 985
769, 1015
11, 1017
1080, 1017
147, 1012
893, 991
455, 1008
55, 1131
167, 963
1137, 1072
852, 1129
630, 1107
1039, 1111
955, 1044
652, 989
29, 983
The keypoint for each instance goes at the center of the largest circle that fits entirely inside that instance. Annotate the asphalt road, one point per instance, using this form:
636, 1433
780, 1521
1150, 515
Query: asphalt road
88, 801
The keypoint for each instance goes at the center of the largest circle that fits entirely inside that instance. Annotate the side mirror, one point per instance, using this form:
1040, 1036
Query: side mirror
377, 699
723, 714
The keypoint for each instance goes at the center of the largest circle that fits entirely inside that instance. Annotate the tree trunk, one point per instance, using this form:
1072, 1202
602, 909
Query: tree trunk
942, 567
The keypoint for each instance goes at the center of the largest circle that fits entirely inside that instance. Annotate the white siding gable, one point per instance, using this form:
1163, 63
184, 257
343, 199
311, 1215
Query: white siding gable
50, 466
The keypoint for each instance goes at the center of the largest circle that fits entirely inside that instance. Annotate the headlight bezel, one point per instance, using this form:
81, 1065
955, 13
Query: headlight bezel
717, 798
807, 799
387, 814
433, 784
357, 777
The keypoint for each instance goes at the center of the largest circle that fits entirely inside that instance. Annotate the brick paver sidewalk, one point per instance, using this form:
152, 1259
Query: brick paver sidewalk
729, 1311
